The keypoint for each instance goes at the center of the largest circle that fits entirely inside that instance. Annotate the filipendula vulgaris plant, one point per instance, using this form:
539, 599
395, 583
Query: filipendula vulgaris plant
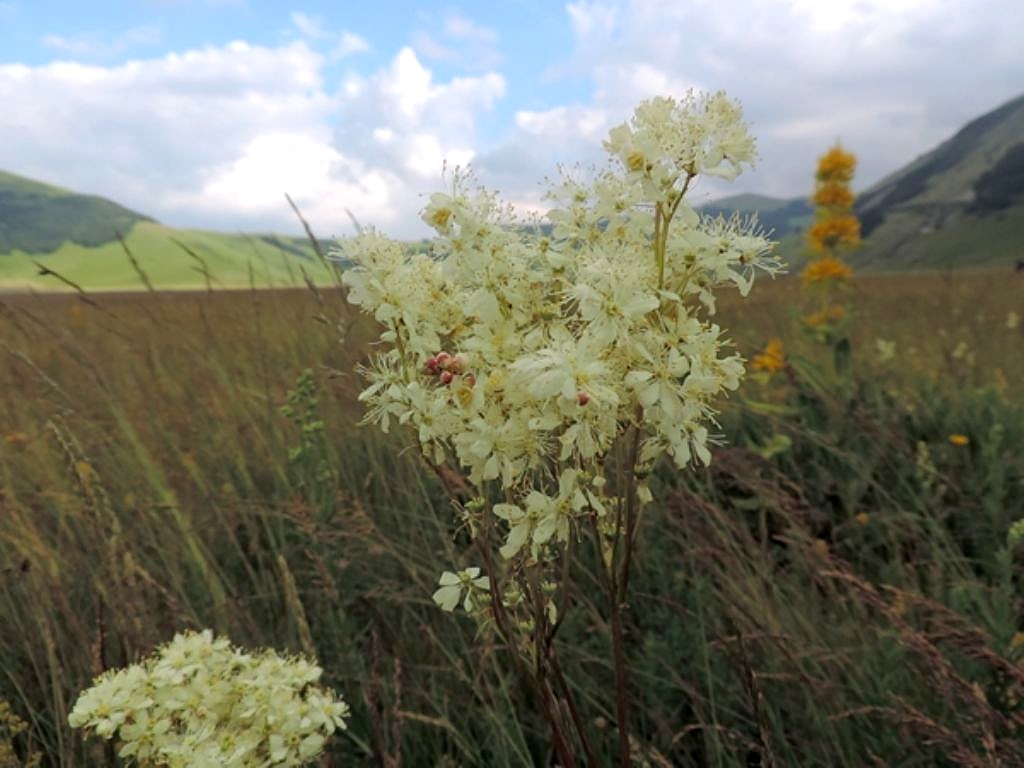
555, 365
197, 702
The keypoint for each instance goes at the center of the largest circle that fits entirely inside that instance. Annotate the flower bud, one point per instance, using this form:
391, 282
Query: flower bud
442, 359
431, 365
458, 363
582, 397
446, 377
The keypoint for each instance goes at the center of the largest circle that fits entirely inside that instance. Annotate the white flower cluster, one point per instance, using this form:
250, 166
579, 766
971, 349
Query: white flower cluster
197, 702
526, 350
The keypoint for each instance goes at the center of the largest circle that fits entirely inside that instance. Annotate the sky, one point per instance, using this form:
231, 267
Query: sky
204, 113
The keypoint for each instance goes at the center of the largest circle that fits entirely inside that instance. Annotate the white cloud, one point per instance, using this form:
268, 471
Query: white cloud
890, 78
349, 43
322, 181
92, 46
313, 29
462, 28
153, 134
408, 126
460, 41
308, 26
216, 137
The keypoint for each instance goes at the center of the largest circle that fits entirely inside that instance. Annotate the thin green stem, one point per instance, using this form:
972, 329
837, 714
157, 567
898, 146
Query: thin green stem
660, 229
662, 219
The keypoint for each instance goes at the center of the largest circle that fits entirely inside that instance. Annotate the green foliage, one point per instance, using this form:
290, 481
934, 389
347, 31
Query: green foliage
837, 589
309, 459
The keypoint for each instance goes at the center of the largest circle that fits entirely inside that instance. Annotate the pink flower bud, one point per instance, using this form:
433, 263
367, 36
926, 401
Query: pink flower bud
470, 380
582, 397
431, 364
442, 359
446, 377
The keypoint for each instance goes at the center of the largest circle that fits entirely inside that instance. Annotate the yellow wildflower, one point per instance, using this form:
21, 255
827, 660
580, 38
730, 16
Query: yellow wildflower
834, 232
957, 439
831, 314
833, 194
837, 165
827, 268
772, 359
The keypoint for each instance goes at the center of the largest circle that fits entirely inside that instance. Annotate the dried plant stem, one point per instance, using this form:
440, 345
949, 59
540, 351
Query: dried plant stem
545, 696
618, 584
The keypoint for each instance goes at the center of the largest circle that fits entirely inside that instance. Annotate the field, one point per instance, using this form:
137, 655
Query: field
836, 589
171, 259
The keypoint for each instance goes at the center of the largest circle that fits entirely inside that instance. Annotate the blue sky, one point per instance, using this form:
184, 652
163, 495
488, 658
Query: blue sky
204, 112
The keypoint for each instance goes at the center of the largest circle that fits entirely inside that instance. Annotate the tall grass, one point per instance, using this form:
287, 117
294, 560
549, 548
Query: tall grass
847, 599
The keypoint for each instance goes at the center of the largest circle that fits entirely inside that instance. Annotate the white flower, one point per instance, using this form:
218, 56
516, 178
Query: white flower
199, 702
571, 335
453, 585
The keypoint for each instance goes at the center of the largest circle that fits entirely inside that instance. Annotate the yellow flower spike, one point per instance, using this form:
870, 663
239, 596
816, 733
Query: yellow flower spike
959, 440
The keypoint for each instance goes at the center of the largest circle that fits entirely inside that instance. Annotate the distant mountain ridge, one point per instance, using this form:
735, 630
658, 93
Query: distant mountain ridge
959, 205
39, 218
779, 216
950, 173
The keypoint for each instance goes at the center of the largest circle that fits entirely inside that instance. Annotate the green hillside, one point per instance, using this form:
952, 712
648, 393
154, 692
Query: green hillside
45, 228
961, 204
163, 254
38, 218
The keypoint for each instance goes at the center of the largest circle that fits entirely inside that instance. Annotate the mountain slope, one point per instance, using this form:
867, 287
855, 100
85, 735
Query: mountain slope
961, 204
38, 218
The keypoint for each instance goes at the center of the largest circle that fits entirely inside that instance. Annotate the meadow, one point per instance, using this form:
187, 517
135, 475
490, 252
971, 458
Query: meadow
838, 588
